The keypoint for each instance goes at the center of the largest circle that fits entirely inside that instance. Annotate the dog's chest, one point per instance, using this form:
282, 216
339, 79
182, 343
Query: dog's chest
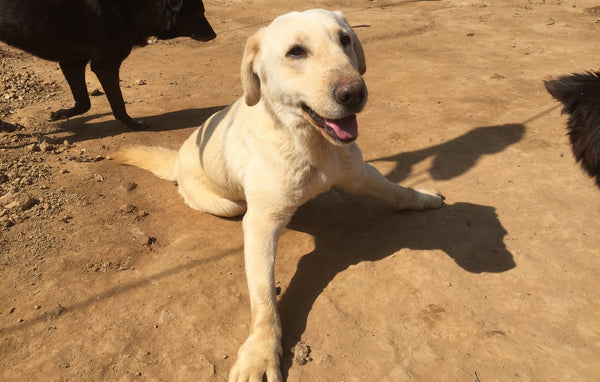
305, 180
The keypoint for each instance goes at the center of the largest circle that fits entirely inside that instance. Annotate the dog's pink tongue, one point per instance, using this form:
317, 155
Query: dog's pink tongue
345, 128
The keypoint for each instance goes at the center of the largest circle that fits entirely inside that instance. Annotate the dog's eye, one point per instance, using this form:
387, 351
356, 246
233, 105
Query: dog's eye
296, 51
345, 39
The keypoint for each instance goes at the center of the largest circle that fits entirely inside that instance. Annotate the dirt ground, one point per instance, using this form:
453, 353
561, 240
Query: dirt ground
106, 275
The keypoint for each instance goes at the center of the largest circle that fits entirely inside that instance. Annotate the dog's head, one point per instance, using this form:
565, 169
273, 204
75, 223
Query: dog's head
306, 67
178, 18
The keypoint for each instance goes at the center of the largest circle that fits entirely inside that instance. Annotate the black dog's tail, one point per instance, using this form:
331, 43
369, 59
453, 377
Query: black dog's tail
580, 95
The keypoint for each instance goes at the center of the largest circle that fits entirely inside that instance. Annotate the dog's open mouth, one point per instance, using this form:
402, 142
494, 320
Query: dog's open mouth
344, 130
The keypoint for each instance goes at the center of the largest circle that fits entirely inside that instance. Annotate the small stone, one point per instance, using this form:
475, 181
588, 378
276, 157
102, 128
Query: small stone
128, 208
22, 202
141, 237
301, 353
140, 82
203, 368
46, 147
6, 222
96, 92
127, 186
41, 138
141, 214
56, 311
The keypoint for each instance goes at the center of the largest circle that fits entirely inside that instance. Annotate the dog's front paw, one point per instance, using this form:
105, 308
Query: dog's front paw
258, 357
430, 199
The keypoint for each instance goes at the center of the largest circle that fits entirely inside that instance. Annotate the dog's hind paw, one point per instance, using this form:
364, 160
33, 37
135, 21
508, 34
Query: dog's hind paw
137, 125
59, 114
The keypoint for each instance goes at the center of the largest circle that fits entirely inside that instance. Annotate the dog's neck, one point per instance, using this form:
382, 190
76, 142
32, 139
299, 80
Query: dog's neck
298, 139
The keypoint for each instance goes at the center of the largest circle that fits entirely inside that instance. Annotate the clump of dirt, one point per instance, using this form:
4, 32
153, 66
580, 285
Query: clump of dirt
301, 353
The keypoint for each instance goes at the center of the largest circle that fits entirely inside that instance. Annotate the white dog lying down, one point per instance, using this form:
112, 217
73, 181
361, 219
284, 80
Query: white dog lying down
287, 140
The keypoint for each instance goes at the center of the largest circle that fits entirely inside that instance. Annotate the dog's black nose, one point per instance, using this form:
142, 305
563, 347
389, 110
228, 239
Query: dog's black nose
351, 93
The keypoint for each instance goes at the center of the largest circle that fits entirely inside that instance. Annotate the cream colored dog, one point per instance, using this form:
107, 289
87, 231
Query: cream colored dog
287, 140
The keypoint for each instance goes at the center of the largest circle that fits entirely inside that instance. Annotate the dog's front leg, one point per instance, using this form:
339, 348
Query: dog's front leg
367, 180
107, 72
259, 355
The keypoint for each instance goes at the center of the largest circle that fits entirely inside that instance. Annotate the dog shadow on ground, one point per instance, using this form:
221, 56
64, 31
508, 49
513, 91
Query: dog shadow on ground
83, 129
348, 230
455, 157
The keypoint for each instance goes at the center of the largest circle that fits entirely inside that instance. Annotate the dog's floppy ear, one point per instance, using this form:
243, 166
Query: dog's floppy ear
250, 80
356, 45
360, 53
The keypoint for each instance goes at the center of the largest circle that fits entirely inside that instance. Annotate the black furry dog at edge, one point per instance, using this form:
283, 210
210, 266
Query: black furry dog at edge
580, 96
101, 32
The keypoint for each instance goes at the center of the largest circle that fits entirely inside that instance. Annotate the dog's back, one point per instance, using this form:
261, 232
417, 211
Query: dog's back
580, 95
60, 30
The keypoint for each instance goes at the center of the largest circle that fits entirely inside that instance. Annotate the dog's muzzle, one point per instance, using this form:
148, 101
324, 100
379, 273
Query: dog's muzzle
343, 130
351, 93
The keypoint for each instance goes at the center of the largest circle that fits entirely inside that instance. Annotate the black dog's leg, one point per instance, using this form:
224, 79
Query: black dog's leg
74, 72
108, 74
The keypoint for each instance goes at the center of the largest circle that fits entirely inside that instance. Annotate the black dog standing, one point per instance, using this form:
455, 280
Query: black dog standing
103, 32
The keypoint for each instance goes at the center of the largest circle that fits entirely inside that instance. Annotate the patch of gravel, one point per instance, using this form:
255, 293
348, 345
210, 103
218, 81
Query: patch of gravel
19, 88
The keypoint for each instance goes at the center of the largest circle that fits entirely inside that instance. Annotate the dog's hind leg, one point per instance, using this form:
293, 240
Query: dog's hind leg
197, 196
74, 72
108, 75
216, 205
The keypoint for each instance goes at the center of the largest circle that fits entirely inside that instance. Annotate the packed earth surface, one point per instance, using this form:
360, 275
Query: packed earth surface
106, 275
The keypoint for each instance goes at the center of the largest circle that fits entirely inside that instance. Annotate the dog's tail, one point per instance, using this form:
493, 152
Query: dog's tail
580, 95
158, 160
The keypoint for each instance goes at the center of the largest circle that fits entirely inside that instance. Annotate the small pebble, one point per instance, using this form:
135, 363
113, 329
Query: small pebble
301, 353
127, 186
